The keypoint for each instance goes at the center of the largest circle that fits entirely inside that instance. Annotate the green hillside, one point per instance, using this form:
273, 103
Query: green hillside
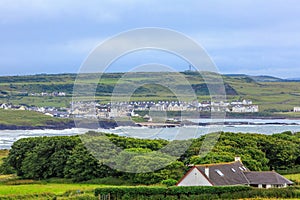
29, 118
271, 94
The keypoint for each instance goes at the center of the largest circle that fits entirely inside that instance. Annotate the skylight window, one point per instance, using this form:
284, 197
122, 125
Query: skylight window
244, 168
233, 170
219, 172
241, 169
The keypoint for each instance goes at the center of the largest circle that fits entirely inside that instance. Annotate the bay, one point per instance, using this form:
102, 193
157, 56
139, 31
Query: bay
261, 126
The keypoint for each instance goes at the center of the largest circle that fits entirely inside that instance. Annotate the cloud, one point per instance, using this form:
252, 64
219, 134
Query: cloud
242, 35
18, 11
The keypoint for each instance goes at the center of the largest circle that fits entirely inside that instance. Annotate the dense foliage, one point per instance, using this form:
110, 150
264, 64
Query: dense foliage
199, 193
191, 190
67, 157
258, 152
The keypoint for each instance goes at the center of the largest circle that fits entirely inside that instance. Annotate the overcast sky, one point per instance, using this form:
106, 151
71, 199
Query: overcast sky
241, 36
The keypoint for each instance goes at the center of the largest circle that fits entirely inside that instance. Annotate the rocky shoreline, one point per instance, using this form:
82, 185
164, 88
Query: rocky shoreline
110, 124
54, 126
68, 125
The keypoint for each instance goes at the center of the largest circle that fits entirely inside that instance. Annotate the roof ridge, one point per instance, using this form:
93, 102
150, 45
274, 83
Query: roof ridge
246, 177
276, 176
263, 171
221, 163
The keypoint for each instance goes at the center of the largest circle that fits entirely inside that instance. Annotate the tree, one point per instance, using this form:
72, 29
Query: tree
41, 157
82, 166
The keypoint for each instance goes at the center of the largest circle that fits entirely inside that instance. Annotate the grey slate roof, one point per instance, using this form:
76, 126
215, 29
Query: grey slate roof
267, 178
233, 173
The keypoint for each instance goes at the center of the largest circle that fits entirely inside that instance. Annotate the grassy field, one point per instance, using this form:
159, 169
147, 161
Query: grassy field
26, 118
54, 188
268, 95
293, 177
3, 154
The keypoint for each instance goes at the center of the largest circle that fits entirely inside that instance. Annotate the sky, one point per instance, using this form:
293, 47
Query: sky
252, 37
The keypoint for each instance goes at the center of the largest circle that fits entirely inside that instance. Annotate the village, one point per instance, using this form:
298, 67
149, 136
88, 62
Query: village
125, 109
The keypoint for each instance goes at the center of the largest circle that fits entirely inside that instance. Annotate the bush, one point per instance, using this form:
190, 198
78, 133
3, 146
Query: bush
199, 193
109, 181
205, 192
22, 182
5, 168
169, 182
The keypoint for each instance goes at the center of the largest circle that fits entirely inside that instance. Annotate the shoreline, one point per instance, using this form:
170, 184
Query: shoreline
110, 124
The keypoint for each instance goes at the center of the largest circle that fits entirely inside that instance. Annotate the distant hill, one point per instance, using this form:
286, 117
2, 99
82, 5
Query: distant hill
272, 94
293, 79
266, 79
261, 78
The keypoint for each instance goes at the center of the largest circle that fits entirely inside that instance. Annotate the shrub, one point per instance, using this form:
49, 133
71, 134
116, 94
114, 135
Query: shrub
154, 192
169, 182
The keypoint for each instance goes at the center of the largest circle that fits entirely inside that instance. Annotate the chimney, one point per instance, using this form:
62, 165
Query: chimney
237, 158
206, 171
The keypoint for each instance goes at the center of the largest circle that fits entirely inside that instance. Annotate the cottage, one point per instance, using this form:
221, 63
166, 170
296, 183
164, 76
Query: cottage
296, 109
4, 106
231, 173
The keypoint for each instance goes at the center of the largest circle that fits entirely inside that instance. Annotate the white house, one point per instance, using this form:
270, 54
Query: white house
296, 109
231, 173
245, 109
4, 106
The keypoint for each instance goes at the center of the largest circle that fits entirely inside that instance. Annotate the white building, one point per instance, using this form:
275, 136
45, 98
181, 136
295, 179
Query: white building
296, 109
245, 109
232, 173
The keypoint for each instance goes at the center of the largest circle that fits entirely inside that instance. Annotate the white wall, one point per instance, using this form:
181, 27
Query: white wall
194, 178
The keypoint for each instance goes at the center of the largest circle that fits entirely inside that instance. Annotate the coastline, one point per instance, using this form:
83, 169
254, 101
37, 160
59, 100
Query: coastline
111, 124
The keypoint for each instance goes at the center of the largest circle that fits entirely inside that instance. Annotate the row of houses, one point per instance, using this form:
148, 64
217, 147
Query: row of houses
52, 94
123, 109
50, 111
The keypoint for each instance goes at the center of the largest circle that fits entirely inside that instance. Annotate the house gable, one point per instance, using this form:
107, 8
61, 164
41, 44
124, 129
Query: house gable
194, 177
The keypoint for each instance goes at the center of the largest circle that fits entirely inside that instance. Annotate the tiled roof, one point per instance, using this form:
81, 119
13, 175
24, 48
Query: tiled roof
231, 173
267, 178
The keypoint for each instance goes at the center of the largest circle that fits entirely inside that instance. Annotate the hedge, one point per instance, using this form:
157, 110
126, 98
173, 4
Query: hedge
176, 192
195, 192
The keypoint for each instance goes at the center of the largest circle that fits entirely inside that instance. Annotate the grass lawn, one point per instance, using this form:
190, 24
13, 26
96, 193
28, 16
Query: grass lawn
293, 177
54, 188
